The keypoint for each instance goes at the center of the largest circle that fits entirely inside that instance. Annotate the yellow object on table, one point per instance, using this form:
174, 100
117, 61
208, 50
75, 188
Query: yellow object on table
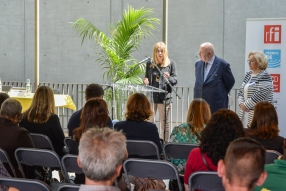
60, 101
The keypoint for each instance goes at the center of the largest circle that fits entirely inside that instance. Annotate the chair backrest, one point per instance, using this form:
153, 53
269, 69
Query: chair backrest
146, 168
41, 141
67, 142
25, 184
38, 157
142, 148
271, 156
69, 163
205, 180
178, 150
4, 158
69, 187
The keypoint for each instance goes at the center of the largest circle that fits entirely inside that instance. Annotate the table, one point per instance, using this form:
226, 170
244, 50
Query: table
60, 101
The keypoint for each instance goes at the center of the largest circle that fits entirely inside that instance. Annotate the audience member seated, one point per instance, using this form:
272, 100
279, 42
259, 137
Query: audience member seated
223, 127
138, 110
13, 136
41, 118
94, 115
101, 153
198, 116
276, 174
243, 165
264, 127
3, 97
91, 91
3, 174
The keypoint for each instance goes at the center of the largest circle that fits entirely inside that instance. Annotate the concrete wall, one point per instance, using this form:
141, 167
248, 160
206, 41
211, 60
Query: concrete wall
64, 60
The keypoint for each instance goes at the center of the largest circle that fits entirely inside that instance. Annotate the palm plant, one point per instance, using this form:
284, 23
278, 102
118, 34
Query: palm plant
115, 51
125, 36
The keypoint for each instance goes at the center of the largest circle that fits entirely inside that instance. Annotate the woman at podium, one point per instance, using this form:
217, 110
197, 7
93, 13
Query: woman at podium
153, 78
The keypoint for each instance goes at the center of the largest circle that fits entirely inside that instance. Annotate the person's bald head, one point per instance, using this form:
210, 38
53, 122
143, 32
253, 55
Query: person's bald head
206, 51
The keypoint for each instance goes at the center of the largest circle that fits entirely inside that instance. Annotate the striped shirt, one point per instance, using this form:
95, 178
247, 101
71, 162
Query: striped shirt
260, 89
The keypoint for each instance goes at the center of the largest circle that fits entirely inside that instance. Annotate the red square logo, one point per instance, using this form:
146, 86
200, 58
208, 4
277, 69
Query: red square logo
272, 34
276, 82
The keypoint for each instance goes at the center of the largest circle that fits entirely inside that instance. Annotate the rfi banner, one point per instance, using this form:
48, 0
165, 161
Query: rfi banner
269, 37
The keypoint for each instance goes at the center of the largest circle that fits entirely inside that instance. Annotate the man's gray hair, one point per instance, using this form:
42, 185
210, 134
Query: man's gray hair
10, 108
101, 150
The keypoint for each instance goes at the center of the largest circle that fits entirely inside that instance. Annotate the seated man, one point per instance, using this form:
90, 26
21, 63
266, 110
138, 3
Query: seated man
276, 174
243, 165
91, 91
101, 153
13, 136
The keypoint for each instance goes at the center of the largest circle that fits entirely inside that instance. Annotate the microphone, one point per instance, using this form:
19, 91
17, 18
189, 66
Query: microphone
145, 60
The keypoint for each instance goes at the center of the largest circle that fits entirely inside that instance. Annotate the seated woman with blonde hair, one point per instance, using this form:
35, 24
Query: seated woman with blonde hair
41, 118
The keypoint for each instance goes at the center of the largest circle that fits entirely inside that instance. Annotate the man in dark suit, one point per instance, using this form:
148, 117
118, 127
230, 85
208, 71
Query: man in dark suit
214, 78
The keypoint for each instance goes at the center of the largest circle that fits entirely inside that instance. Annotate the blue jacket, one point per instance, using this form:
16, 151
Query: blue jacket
217, 85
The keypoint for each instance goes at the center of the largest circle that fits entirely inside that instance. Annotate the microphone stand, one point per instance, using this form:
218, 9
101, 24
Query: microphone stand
167, 83
112, 89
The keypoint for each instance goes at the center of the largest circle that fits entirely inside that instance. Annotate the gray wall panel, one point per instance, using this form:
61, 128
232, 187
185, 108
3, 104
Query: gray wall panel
63, 59
192, 23
29, 39
12, 40
236, 13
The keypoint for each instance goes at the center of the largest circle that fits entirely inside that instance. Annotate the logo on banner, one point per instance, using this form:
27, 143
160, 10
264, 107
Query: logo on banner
274, 58
272, 33
276, 82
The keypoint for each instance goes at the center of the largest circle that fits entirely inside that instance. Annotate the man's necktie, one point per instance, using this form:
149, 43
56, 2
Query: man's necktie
205, 71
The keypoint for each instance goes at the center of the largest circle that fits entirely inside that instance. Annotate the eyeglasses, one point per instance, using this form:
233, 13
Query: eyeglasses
250, 61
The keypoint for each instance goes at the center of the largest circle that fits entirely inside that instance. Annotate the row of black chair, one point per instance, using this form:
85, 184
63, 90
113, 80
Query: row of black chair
69, 163
145, 148
158, 169
23, 184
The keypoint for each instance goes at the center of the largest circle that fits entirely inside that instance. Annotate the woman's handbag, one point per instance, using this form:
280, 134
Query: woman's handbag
143, 184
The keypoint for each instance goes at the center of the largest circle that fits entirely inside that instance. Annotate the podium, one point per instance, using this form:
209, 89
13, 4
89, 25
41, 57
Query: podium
120, 92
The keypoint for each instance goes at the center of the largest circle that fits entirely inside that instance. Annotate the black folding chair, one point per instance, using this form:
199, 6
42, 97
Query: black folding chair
178, 150
40, 157
142, 148
67, 142
23, 184
5, 159
69, 163
146, 168
271, 156
69, 187
205, 180
42, 141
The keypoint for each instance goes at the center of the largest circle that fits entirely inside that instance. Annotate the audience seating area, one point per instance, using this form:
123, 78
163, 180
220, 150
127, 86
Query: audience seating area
159, 169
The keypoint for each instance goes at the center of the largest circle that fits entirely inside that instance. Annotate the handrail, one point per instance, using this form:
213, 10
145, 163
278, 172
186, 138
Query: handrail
179, 107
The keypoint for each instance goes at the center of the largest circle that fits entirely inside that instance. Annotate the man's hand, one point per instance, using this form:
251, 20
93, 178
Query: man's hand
146, 81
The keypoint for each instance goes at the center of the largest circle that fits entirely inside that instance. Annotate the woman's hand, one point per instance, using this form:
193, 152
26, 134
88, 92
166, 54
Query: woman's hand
243, 108
167, 75
146, 81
